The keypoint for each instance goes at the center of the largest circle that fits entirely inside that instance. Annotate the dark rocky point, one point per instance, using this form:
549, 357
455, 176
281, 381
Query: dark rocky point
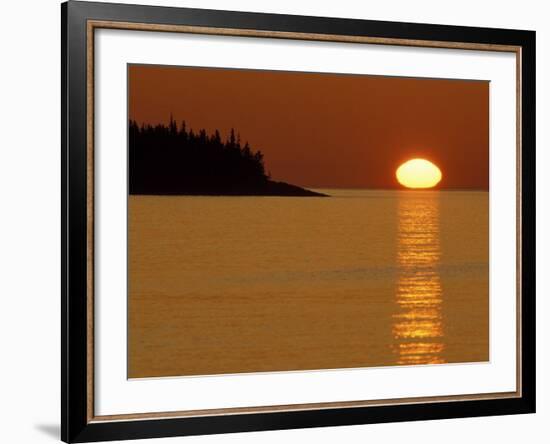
171, 160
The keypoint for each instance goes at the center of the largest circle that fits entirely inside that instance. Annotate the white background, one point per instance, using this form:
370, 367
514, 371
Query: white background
29, 234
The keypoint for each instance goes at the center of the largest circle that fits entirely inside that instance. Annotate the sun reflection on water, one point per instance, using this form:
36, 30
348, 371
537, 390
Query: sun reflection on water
418, 323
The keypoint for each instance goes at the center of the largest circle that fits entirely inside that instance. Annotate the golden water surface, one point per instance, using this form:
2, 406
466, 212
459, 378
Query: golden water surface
363, 278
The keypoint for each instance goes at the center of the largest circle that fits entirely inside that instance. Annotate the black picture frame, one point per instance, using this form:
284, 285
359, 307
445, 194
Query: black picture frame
76, 424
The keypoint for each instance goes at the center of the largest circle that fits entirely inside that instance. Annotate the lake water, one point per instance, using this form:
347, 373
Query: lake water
363, 278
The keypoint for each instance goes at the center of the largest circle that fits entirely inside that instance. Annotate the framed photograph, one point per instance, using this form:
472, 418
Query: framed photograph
275, 221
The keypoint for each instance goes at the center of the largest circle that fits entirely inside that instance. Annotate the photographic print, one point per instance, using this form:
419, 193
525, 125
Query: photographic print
283, 221
276, 222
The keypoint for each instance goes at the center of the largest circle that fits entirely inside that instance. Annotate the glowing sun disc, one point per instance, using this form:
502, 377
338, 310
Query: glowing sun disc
418, 173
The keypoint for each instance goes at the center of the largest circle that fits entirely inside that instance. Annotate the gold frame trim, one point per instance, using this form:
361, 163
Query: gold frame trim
92, 25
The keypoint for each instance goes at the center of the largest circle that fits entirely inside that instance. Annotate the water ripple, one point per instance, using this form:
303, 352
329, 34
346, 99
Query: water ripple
418, 328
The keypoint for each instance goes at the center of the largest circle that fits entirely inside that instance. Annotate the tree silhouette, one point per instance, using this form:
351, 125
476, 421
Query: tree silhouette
175, 160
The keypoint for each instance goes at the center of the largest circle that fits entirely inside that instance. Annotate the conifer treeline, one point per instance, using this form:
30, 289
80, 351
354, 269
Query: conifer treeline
175, 160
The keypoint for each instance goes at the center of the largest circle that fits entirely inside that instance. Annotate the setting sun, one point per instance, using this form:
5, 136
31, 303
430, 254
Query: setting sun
418, 173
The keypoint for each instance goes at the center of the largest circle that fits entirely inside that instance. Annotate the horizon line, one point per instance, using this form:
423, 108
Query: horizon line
394, 189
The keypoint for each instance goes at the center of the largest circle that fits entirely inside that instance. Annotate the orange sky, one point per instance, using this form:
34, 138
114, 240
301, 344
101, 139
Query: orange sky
328, 130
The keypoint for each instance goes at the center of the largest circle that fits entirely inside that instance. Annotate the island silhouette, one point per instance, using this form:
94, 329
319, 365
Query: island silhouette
172, 160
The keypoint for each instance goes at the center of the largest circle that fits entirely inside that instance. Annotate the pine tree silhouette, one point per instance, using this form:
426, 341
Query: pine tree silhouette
175, 160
